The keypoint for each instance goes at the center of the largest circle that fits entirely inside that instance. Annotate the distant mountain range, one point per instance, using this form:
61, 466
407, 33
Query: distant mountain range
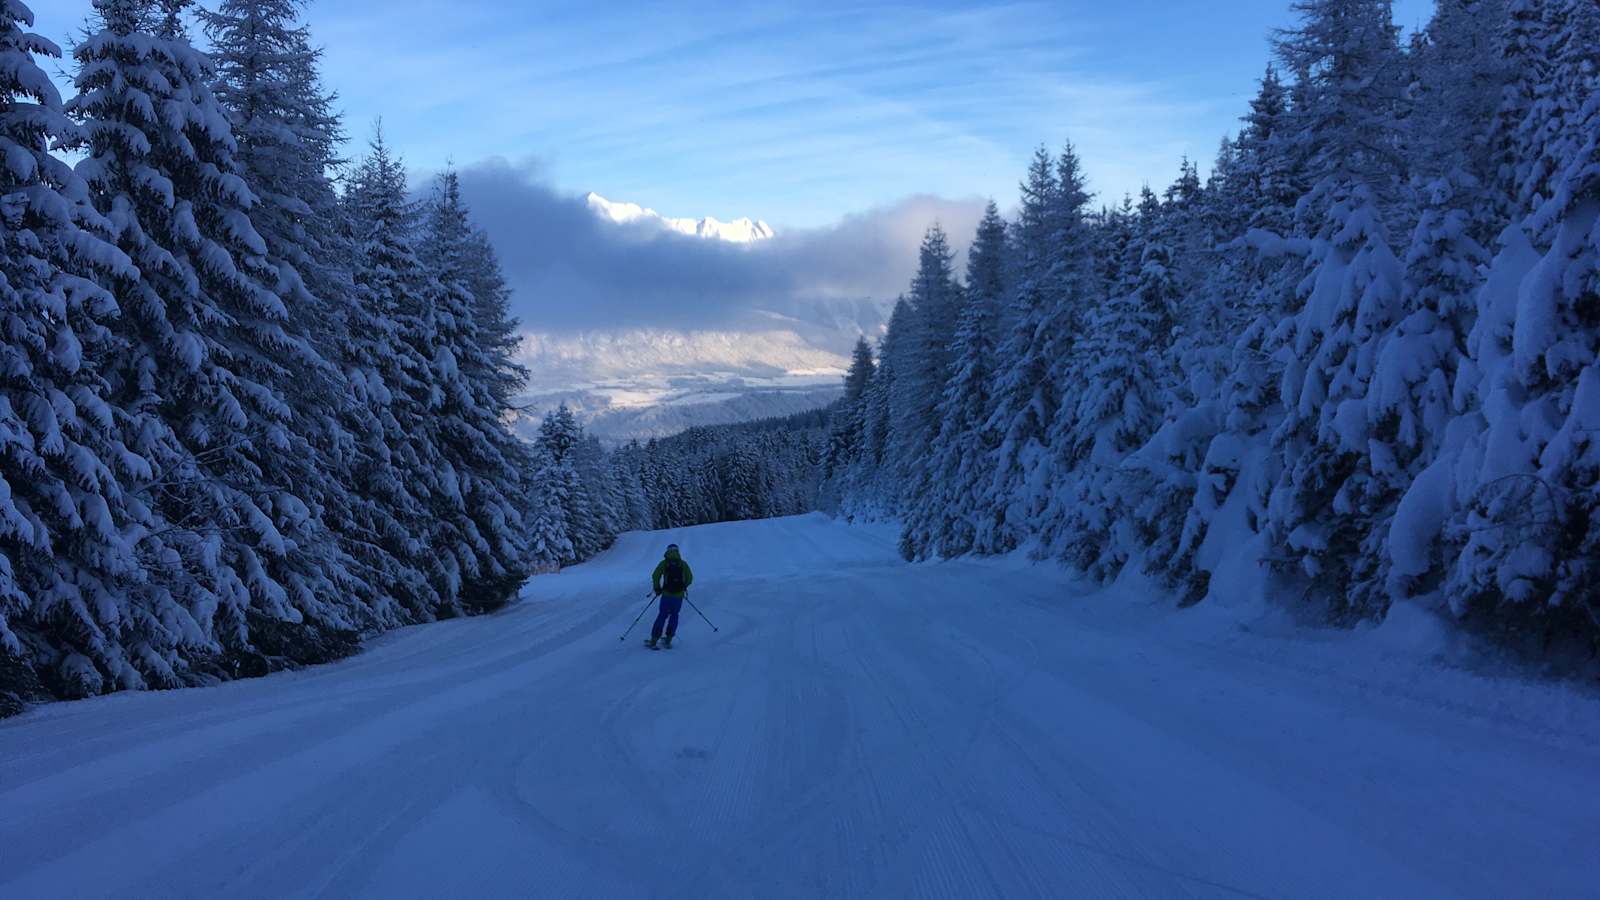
682, 410
644, 383
739, 231
628, 383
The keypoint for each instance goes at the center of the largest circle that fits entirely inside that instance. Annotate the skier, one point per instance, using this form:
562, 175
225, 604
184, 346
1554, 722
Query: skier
670, 581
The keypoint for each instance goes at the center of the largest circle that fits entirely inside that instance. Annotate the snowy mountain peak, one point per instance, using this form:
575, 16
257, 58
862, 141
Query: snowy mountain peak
739, 231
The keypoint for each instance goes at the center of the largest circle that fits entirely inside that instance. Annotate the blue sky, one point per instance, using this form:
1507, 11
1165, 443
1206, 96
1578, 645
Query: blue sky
795, 113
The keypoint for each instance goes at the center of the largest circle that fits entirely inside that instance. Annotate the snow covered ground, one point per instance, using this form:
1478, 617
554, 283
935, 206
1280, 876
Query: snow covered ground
859, 727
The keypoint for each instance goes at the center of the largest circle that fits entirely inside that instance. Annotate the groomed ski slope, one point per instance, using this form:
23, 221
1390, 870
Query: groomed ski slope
859, 728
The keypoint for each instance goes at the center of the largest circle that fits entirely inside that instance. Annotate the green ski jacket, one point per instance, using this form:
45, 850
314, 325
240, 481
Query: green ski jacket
661, 572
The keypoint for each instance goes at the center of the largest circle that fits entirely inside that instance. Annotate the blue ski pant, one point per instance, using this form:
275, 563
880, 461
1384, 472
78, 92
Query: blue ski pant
668, 616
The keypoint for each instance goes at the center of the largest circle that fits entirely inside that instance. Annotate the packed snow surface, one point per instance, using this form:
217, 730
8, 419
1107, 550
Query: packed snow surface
858, 728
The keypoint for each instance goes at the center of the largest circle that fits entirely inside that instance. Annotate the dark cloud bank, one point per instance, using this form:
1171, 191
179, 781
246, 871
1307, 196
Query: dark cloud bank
572, 270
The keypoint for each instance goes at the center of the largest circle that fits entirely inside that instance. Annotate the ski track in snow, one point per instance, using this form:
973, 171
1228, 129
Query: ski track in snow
858, 728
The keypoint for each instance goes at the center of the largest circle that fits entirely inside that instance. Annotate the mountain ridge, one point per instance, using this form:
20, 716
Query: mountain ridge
743, 230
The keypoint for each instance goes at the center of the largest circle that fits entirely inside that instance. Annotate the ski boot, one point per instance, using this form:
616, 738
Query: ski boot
666, 642
650, 642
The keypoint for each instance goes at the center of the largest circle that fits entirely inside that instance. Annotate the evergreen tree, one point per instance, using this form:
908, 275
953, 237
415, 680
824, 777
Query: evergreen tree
875, 480
860, 373
70, 573
1525, 537
549, 540
402, 467
1130, 341
1323, 507
602, 492
1255, 279
495, 325
924, 359
1116, 256
1270, 161
845, 436
942, 521
1118, 396
935, 301
627, 471
1319, 509
744, 492
1461, 79
560, 435
287, 135
484, 463
209, 346
1056, 270
1349, 59
1551, 44
1411, 403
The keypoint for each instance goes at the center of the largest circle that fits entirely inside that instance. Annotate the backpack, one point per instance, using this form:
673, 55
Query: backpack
672, 578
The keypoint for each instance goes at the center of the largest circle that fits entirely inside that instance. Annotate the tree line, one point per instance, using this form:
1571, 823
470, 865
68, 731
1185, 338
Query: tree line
1359, 362
252, 396
720, 473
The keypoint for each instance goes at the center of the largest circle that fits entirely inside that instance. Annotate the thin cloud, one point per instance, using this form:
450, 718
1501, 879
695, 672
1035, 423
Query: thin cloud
791, 112
794, 111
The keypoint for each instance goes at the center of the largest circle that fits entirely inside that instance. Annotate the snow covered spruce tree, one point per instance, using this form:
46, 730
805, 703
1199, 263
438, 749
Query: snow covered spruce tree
69, 526
848, 423
209, 351
1526, 469
1118, 392
549, 533
945, 521
872, 479
1461, 79
1411, 402
287, 136
606, 501
496, 327
486, 465
397, 465
460, 492
1254, 278
627, 472
1324, 505
1053, 247
1321, 511
1208, 279
561, 436
1550, 54
935, 300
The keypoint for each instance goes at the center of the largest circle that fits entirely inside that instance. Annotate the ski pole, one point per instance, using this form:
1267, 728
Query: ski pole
697, 609
651, 596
